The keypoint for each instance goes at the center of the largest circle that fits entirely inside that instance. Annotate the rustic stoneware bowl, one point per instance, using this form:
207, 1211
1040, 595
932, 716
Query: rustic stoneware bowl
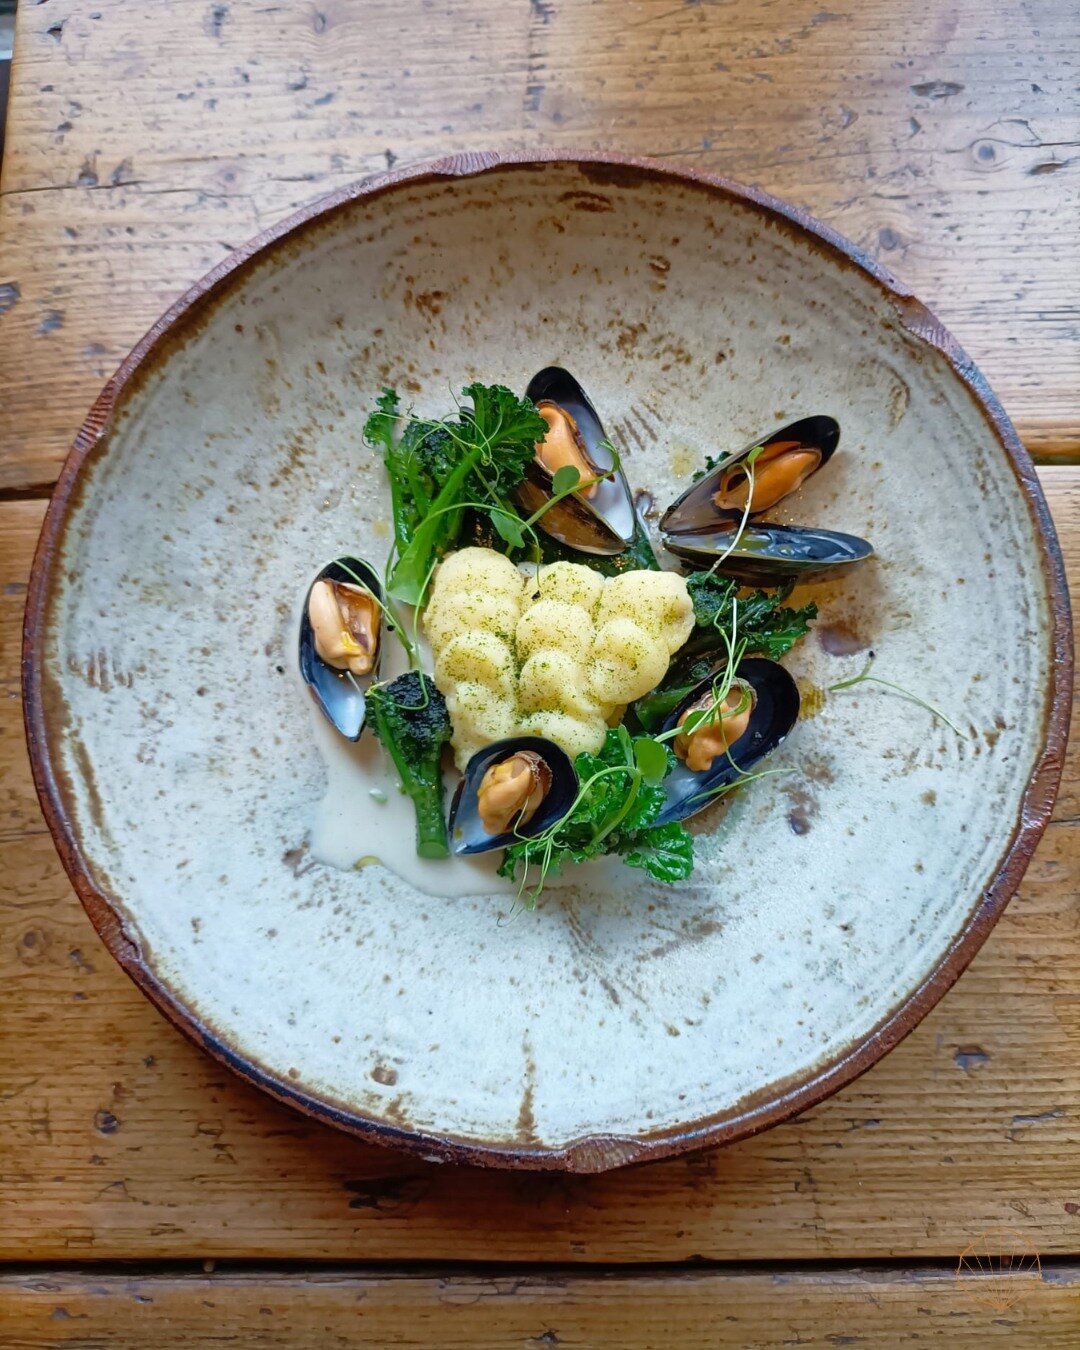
832, 907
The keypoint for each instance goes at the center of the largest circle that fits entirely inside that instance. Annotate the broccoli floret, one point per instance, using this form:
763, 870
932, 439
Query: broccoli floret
409, 717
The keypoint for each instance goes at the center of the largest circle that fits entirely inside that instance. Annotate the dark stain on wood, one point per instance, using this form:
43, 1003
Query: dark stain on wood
1040, 1118
386, 1195
215, 21
937, 89
968, 1057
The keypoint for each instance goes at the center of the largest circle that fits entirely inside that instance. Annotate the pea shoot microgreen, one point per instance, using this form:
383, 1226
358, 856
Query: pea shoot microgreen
865, 677
748, 463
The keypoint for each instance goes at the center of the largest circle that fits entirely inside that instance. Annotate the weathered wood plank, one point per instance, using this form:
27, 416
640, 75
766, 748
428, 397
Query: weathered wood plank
939, 137
122, 1141
655, 1311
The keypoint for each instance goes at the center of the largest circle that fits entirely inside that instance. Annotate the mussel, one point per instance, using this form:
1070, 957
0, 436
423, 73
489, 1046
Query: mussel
761, 707
706, 523
769, 555
600, 518
340, 641
512, 789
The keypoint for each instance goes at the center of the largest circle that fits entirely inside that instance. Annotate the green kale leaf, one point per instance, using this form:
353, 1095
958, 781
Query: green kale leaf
666, 852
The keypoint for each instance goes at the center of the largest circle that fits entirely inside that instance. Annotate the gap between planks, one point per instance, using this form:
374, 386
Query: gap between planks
642, 1311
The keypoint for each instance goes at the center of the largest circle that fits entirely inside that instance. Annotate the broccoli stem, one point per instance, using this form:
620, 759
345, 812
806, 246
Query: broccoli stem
412, 567
426, 793
431, 838
400, 511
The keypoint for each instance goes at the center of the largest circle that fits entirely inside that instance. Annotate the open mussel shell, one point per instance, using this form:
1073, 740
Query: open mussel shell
603, 523
770, 555
697, 511
775, 712
467, 831
339, 695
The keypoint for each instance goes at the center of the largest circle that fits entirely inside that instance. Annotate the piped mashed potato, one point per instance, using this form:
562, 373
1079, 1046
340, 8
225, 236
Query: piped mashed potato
557, 653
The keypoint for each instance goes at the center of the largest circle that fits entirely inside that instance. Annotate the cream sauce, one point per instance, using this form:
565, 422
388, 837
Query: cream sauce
352, 828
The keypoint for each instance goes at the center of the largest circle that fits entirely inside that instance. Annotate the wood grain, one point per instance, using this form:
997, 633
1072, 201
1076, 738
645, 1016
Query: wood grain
122, 1141
655, 1311
144, 143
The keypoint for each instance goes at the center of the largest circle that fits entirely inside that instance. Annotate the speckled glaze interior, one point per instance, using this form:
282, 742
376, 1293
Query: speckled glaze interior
830, 907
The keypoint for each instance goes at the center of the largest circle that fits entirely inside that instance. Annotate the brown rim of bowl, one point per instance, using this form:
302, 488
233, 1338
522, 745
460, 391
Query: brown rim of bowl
779, 1101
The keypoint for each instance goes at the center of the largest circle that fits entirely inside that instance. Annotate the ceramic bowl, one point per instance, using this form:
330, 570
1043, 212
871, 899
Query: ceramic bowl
832, 906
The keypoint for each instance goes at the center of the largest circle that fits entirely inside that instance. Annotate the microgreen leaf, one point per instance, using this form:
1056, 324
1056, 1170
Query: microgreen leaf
565, 479
651, 758
508, 528
612, 813
434, 467
766, 625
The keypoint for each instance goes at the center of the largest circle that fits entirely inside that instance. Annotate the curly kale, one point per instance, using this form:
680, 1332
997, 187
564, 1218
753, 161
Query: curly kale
770, 627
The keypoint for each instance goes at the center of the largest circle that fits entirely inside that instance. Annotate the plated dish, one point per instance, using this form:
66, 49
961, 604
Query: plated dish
212, 819
593, 702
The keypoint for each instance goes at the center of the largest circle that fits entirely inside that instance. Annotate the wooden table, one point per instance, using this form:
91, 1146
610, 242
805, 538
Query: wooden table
145, 141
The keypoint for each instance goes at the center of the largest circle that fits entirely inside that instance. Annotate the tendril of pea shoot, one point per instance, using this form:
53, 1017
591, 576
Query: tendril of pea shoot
749, 462
864, 677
